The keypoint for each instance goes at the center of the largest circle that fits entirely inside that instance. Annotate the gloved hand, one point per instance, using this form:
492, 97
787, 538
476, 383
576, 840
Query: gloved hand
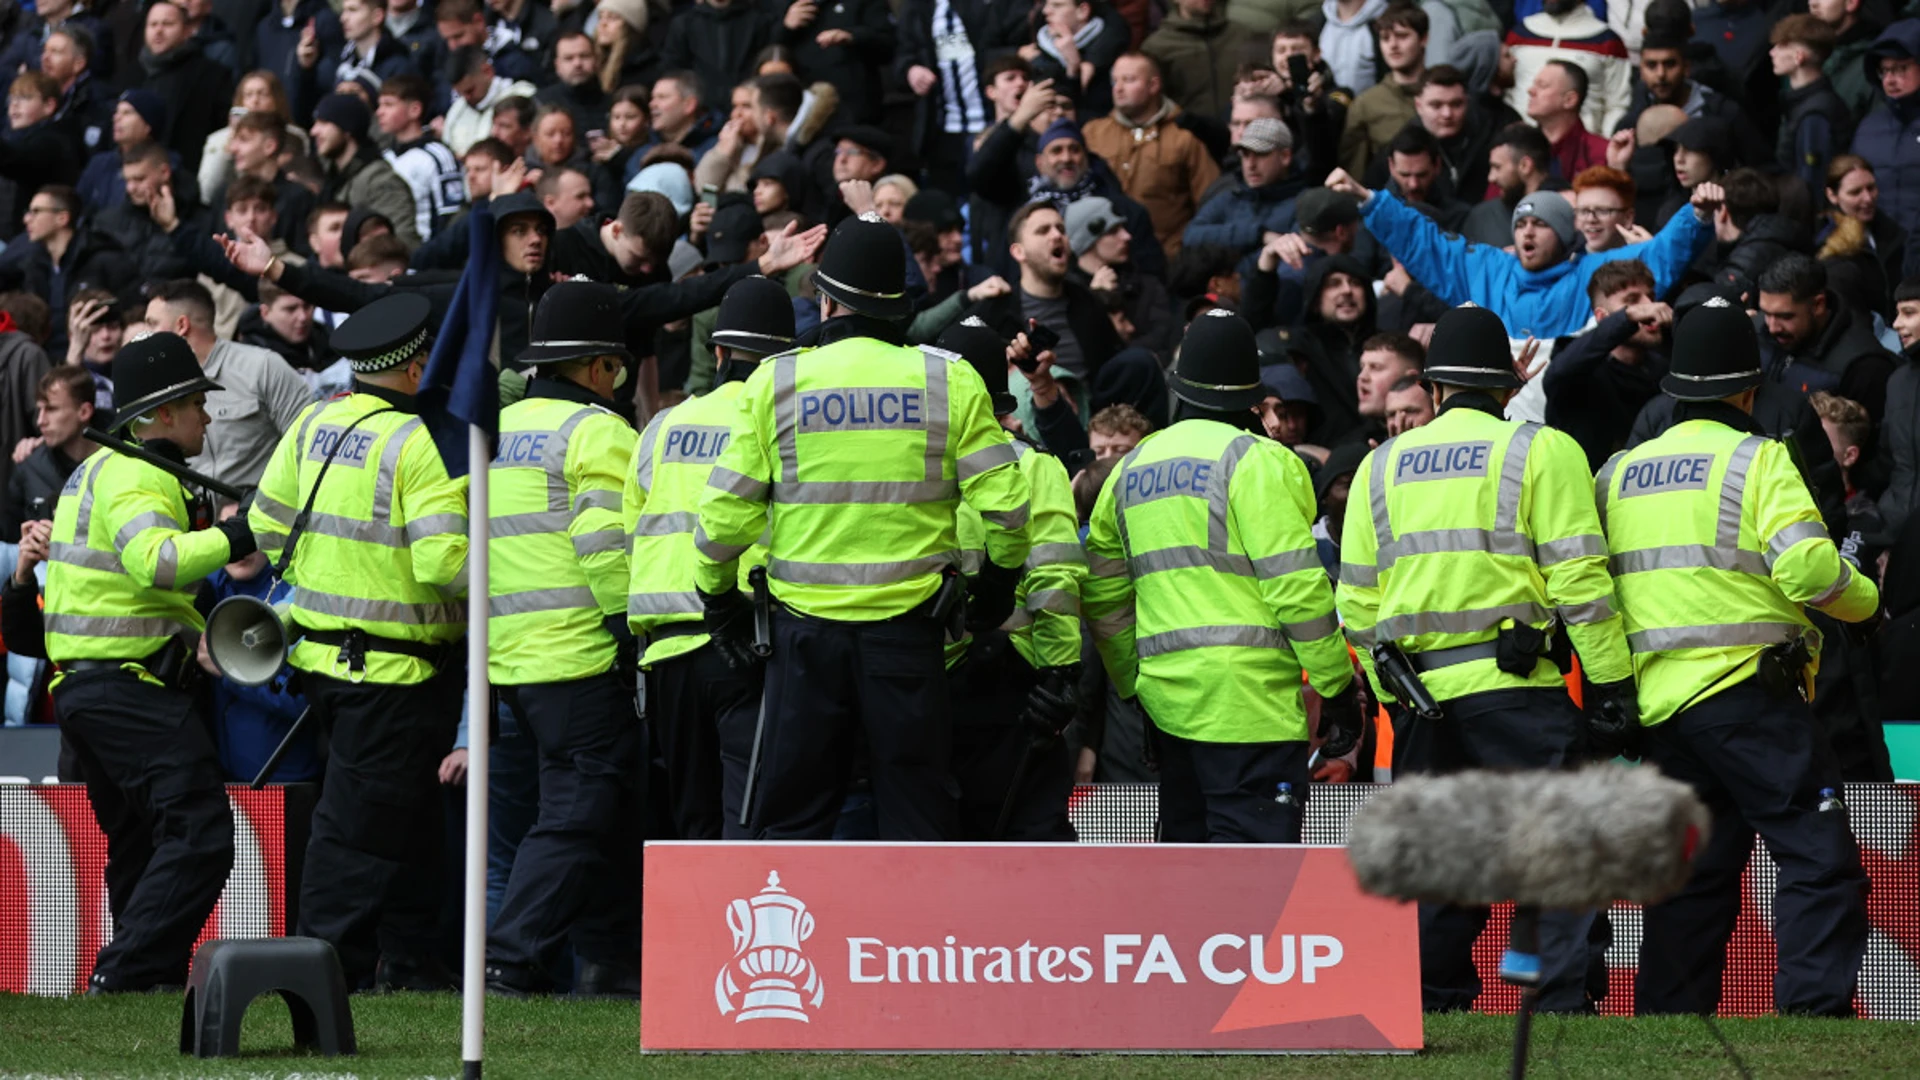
626, 649
990, 596
1340, 722
1865, 630
1053, 704
730, 625
240, 543
1613, 720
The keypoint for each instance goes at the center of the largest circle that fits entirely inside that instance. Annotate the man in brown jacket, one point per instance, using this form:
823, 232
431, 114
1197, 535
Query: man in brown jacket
1160, 164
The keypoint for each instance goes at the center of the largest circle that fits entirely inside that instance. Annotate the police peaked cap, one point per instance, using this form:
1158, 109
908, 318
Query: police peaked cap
1470, 348
157, 370
1715, 353
1219, 365
386, 333
577, 320
864, 267
756, 317
986, 351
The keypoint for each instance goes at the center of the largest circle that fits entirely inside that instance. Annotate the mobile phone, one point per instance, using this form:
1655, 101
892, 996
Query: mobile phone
1077, 460
1041, 337
710, 195
1299, 72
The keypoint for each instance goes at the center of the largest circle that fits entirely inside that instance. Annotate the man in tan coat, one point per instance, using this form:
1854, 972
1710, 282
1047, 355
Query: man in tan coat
1160, 164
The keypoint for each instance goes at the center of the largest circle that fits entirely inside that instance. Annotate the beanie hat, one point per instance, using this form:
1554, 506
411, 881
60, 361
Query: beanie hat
1060, 129
151, 107
1088, 220
671, 180
1550, 208
346, 112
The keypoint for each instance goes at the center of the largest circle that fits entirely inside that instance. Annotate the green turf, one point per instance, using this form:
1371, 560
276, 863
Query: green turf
419, 1035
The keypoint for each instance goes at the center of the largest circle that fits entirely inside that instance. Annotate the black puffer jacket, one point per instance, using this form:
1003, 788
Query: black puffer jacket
1766, 240
197, 92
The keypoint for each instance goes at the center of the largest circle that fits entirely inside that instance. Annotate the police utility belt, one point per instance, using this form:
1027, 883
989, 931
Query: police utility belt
172, 663
355, 644
1516, 651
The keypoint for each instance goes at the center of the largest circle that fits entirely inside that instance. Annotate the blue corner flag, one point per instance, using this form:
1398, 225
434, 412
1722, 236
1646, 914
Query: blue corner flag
461, 386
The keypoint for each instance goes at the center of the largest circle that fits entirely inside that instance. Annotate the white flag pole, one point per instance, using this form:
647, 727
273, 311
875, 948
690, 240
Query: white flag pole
479, 732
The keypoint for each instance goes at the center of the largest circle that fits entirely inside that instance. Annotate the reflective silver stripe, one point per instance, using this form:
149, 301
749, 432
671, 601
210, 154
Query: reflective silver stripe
1513, 480
937, 414
596, 499
599, 543
1435, 659
971, 560
340, 527
569, 598
152, 519
1592, 611
1779, 543
1120, 502
713, 549
1101, 566
1056, 554
1733, 486
82, 555
991, 457
1113, 622
1362, 639
1312, 629
1687, 556
389, 462
274, 509
875, 573
1446, 541
1554, 552
166, 565
1471, 621
1062, 601
1834, 590
1019, 620
671, 523
1358, 576
388, 611
643, 467
1217, 504
84, 519
1603, 487
1286, 562
537, 523
786, 419
1188, 557
270, 542
112, 626
1209, 637
847, 492
436, 525
736, 484
1377, 502
665, 603
1723, 636
1015, 518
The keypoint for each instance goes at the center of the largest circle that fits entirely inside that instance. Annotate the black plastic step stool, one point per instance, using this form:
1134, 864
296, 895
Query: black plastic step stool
229, 974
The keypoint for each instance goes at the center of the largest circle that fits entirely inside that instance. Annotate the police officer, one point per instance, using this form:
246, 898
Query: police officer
560, 651
360, 516
1017, 688
1717, 548
700, 710
121, 625
855, 455
1207, 599
1465, 541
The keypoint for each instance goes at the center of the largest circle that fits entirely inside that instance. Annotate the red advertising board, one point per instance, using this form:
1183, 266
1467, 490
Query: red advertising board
1001, 947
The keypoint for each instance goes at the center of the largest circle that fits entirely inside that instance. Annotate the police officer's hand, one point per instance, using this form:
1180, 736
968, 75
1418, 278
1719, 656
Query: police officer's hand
1340, 722
239, 535
1613, 720
1054, 703
626, 648
990, 596
730, 625
1859, 633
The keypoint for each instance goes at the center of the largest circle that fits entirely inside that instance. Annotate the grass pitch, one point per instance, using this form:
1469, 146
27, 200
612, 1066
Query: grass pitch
418, 1035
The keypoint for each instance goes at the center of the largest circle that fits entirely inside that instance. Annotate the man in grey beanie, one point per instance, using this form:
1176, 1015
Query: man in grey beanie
1543, 232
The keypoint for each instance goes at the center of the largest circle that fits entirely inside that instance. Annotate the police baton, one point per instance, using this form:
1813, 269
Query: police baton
273, 759
762, 613
753, 762
179, 471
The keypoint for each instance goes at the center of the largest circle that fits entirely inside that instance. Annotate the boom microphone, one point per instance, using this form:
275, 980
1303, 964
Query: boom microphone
1552, 839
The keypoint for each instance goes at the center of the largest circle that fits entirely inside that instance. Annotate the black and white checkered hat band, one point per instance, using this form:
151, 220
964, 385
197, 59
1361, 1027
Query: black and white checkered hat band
392, 358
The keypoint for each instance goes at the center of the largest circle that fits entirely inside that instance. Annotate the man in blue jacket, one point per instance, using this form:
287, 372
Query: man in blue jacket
1540, 289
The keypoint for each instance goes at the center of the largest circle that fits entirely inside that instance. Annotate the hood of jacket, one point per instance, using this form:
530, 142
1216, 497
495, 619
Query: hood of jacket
1900, 41
1775, 229
1316, 279
1163, 115
1361, 20
520, 202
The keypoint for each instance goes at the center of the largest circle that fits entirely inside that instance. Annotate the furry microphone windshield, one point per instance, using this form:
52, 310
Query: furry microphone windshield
1554, 839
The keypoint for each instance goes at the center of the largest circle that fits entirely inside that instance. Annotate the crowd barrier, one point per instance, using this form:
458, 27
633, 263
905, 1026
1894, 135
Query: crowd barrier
54, 916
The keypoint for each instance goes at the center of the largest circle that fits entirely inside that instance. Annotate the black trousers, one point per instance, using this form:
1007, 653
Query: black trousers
990, 689
1522, 728
577, 873
153, 777
828, 680
701, 714
372, 879
1759, 765
1223, 793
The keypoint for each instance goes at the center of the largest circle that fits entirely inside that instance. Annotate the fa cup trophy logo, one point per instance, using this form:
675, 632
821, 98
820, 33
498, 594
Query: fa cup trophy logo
767, 932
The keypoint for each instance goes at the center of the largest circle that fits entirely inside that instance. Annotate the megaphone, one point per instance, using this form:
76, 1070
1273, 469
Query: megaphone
247, 639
